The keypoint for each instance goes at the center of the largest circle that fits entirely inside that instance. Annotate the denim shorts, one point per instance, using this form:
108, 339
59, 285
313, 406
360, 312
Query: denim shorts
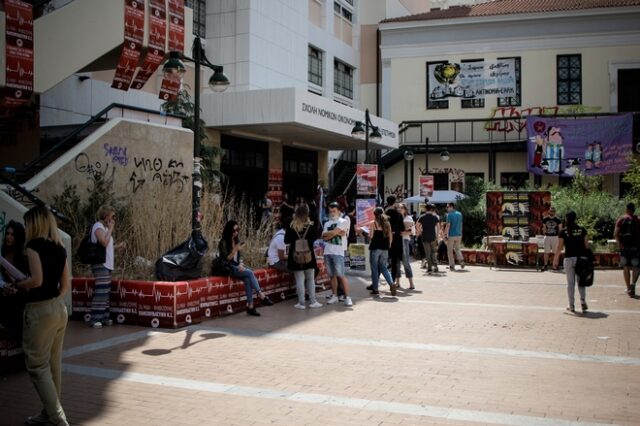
334, 264
630, 257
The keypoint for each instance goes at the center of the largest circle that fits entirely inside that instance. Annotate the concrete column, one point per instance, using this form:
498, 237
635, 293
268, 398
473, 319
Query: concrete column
323, 168
275, 155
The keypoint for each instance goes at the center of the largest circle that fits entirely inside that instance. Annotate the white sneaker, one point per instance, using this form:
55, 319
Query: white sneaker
97, 324
341, 298
299, 306
347, 301
333, 300
329, 296
315, 305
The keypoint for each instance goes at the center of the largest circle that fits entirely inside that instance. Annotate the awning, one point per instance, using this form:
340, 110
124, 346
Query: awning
292, 116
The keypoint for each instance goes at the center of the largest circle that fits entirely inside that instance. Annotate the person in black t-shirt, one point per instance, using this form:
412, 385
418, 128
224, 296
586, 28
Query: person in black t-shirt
395, 252
428, 229
575, 242
552, 226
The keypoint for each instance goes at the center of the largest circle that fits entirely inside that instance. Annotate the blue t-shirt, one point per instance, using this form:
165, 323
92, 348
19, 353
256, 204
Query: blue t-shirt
454, 218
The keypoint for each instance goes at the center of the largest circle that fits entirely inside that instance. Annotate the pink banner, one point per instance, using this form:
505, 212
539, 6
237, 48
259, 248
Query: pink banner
157, 41
18, 53
367, 179
132, 47
426, 186
171, 85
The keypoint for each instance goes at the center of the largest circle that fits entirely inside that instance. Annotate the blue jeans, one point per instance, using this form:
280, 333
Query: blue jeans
378, 260
250, 281
405, 258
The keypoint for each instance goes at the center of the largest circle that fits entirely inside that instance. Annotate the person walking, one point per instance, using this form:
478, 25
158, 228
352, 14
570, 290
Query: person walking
395, 251
575, 242
335, 230
453, 236
381, 238
551, 227
45, 315
627, 233
428, 229
301, 260
102, 233
229, 249
409, 230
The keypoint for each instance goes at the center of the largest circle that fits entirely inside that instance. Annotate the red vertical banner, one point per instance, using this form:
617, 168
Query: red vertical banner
426, 186
171, 85
367, 179
157, 41
132, 47
18, 53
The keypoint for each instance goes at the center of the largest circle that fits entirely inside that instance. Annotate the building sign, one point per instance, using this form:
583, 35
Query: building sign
426, 186
171, 85
157, 41
595, 146
364, 212
471, 80
367, 179
132, 47
18, 53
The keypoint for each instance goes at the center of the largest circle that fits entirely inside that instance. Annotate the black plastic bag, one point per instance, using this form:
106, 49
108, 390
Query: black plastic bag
183, 262
585, 269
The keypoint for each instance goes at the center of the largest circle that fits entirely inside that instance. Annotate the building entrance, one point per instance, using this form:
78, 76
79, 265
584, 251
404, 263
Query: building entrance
245, 165
300, 173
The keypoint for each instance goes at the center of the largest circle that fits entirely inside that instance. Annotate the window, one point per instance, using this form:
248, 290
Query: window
315, 66
344, 8
432, 99
199, 16
343, 79
517, 99
569, 75
473, 102
515, 180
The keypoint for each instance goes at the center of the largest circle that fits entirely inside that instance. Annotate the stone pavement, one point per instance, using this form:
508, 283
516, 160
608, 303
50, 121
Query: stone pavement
473, 347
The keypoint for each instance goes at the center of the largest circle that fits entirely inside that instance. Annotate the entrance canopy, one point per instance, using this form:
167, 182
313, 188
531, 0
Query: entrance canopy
294, 117
438, 197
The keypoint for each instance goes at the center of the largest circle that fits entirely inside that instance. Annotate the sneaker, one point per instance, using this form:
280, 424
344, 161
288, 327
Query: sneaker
266, 301
253, 312
107, 322
370, 287
429, 270
435, 269
570, 308
315, 305
329, 296
347, 301
40, 419
393, 289
300, 306
96, 324
632, 291
375, 293
462, 266
341, 298
584, 307
333, 300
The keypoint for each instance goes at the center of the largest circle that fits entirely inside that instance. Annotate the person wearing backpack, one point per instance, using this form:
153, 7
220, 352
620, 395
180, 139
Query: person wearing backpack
627, 233
300, 236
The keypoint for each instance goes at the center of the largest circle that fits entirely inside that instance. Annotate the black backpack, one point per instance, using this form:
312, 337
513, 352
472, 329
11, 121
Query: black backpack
628, 232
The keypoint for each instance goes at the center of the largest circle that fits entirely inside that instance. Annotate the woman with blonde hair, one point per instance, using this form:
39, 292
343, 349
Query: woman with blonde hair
45, 315
381, 239
301, 259
102, 233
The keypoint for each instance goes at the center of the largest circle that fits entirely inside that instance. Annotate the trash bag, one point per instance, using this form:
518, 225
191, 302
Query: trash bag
183, 262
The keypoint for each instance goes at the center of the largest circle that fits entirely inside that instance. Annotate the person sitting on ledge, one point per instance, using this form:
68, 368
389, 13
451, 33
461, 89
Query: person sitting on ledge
276, 254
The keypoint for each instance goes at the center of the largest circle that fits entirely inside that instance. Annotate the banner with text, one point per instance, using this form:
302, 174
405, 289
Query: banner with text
364, 212
171, 85
426, 186
157, 41
595, 146
471, 80
367, 179
18, 53
132, 46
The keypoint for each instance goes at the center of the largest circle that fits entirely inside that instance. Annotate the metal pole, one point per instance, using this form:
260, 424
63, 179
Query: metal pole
196, 178
366, 136
560, 167
426, 156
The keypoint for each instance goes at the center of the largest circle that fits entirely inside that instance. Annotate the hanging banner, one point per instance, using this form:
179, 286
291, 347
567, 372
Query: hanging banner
426, 186
171, 85
367, 179
595, 146
157, 41
471, 80
364, 212
18, 53
132, 47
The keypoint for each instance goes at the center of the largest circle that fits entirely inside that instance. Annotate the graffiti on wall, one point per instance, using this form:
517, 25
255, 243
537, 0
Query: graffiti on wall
516, 116
117, 154
168, 173
93, 169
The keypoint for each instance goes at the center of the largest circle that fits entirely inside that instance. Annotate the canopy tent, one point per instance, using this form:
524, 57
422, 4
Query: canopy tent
438, 197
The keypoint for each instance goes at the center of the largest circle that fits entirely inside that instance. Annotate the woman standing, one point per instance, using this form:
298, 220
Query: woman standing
229, 249
408, 233
381, 239
102, 233
13, 248
575, 241
12, 302
45, 315
302, 229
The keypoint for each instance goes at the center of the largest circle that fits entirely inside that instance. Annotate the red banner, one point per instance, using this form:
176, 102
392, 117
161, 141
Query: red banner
367, 179
157, 41
18, 53
171, 85
132, 47
426, 186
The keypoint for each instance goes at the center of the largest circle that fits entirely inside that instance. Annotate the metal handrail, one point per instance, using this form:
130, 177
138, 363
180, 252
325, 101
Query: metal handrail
35, 200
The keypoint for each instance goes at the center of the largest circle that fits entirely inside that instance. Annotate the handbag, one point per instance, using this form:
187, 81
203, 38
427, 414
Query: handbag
585, 269
220, 267
91, 253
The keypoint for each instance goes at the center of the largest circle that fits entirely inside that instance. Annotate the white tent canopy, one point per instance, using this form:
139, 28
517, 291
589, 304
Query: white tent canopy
438, 197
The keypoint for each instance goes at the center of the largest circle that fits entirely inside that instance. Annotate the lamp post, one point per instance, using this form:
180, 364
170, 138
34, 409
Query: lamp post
361, 130
218, 83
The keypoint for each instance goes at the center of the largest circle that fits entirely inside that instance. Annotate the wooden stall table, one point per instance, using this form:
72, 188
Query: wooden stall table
514, 253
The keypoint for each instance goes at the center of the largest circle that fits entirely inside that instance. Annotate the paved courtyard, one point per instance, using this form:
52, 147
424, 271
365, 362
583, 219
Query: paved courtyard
465, 348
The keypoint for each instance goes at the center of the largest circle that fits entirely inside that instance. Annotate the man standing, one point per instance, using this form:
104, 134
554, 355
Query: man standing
428, 225
453, 235
552, 226
395, 251
627, 233
334, 232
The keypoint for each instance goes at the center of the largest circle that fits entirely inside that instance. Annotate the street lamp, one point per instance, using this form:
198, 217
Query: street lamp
444, 155
218, 83
361, 130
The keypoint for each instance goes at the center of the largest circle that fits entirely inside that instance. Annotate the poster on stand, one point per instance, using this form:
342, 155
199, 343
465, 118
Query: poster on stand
367, 179
516, 215
357, 256
364, 212
426, 186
